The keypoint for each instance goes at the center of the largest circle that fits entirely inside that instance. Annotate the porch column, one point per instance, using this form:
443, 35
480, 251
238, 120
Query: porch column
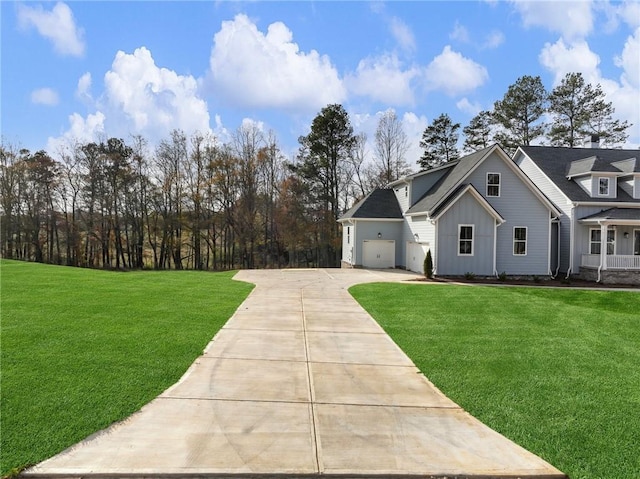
603, 246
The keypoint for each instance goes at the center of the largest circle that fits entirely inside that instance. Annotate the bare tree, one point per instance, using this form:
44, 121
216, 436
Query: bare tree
391, 145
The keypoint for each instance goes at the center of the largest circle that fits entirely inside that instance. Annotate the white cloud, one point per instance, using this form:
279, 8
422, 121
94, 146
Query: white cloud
383, 79
459, 33
403, 34
83, 90
45, 96
493, 40
58, 26
153, 100
629, 60
261, 70
561, 59
471, 109
573, 20
454, 74
81, 130
629, 11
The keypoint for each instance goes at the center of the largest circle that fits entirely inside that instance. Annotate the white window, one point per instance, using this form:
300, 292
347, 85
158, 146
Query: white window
406, 191
603, 186
595, 241
465, 240
493, 184
520, 240
348, 234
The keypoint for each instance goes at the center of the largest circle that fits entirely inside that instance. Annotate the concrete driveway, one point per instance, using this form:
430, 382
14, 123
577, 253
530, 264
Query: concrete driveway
300, 381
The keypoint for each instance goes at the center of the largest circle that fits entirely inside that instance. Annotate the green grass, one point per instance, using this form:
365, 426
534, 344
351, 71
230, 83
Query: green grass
557, 371
84, 348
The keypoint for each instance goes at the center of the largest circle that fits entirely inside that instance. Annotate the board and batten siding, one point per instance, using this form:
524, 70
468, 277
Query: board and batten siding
519, 206
465, 211
369, 229
558, 198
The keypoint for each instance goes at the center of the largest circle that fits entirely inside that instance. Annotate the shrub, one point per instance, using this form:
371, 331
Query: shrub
502, 276
428, 265
469, 275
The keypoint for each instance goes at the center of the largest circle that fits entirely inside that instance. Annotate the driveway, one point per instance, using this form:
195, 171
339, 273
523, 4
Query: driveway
300, 381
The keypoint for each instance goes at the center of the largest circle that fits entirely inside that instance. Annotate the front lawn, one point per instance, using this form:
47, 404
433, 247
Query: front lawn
557, 371
84, 348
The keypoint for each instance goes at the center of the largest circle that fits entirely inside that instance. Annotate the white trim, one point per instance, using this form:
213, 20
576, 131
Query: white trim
633, 246
473, 227
381, 220
495, 248
526, 241
498, 185
606, 242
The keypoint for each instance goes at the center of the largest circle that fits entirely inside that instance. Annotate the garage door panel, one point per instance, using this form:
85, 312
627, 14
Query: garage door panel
379, 254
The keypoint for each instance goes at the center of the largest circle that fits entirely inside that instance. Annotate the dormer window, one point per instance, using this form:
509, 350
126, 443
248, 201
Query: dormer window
493, 184
603, 186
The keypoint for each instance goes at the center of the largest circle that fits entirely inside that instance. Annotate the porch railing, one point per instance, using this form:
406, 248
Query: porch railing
614, 261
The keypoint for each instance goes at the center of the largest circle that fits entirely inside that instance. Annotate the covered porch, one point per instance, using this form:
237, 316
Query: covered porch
611, 249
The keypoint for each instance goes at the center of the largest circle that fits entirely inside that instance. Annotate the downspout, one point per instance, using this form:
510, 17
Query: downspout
495, 247
549, 246
555, 275
571, 234
435, 255
603, 248
354, 248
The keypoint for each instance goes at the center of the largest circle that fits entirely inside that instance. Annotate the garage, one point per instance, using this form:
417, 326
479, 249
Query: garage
416, 252
379, 254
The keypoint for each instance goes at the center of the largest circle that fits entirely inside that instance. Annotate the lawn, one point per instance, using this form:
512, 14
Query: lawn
84, 348
557, 371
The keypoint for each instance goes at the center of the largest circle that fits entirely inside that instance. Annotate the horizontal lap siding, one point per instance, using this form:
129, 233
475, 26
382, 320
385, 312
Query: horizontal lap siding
519, 206
465, 211
421, 226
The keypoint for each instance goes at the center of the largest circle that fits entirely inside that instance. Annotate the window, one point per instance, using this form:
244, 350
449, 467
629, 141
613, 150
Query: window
348, 234
520, 240
603, 186
465, 240
595, 241
636, 242
493, 184
406, 191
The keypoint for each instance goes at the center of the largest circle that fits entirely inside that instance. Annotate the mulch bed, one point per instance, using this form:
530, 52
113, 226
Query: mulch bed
559, 282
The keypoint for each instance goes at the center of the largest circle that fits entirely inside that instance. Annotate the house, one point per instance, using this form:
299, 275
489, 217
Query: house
598, 192
479, 214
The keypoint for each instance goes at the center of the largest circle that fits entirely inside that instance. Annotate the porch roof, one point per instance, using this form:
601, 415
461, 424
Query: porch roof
614, 215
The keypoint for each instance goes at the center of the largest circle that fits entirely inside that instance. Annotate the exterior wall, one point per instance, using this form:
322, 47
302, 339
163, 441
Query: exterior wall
611, 277
466, 211
421, 226
348, 232
561, 202
519, 206
402, 194
368, 230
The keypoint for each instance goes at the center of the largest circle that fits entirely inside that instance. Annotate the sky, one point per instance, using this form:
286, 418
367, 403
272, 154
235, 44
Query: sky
85, 70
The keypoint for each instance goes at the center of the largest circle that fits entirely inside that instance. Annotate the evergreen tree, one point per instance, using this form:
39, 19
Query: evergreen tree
519, 113
439, 141
478, 134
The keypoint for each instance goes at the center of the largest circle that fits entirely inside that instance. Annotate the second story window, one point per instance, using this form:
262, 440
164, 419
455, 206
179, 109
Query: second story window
603, 186
493, 184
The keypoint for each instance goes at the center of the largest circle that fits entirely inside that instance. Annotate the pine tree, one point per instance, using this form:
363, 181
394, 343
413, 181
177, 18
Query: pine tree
440, 142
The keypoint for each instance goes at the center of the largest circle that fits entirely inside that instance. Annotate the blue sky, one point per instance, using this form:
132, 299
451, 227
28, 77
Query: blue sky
83, 70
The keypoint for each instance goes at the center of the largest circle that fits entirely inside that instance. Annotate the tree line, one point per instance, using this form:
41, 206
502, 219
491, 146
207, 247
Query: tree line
195, 203
526, 114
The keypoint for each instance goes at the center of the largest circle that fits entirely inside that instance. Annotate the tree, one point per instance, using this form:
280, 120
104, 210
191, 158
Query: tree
478, 133
391, 144
519, 113
440, 142
578, 110
323, 160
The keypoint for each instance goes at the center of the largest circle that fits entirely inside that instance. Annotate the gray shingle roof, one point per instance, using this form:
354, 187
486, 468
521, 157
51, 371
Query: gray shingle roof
457, 171
554, 162
615, 214
589, 165
380, 203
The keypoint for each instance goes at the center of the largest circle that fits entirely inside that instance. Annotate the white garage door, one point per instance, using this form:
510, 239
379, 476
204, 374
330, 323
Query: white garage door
416, 253
379, 254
